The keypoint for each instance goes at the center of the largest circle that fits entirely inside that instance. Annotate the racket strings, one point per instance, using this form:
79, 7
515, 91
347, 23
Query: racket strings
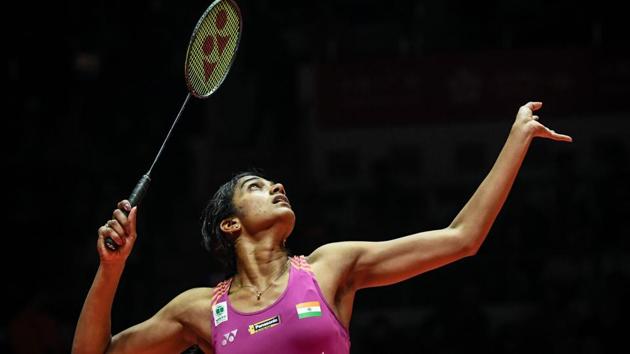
213, 48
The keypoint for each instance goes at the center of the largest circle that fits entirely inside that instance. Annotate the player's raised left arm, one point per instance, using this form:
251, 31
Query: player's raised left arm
369, 264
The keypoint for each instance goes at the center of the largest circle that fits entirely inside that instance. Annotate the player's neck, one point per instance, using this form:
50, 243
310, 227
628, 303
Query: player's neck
259, 263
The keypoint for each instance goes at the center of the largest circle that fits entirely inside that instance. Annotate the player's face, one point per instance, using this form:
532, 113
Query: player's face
261, 204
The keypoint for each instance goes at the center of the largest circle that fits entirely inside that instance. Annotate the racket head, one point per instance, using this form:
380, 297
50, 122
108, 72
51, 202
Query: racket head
212, 47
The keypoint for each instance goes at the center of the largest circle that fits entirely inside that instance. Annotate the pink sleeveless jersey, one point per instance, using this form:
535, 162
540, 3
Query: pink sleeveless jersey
300, 321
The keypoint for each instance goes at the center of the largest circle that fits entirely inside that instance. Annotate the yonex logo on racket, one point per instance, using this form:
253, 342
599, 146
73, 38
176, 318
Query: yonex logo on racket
221, 41
212, 47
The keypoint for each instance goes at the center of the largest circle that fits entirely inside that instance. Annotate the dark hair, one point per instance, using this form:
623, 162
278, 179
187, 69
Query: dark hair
219, 208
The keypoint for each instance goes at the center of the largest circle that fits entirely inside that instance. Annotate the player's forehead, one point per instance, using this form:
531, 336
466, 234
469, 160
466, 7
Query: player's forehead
248, 179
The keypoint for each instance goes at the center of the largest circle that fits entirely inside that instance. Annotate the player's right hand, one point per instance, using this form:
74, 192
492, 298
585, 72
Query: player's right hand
121, 229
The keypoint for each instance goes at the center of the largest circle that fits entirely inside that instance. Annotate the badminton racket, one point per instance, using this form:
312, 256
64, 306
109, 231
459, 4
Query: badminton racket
209, 57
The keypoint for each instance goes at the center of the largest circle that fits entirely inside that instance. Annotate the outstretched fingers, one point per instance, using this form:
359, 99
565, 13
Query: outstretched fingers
526, 119
551, 134
544, 132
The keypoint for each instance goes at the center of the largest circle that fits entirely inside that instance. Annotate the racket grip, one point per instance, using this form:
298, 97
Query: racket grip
134, 199
138, 192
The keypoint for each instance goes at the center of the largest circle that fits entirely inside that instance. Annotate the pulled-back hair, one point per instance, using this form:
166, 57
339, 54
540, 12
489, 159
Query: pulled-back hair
219, 208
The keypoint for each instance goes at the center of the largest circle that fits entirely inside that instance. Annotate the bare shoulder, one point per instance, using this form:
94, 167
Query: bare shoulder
190, 308
195, 294
333, 265
179, 324
193, 308
335, 252
190, 301
333, 261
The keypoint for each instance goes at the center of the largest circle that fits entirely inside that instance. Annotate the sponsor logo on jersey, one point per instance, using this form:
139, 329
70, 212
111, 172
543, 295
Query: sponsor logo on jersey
220, 313
264, 324
229, 337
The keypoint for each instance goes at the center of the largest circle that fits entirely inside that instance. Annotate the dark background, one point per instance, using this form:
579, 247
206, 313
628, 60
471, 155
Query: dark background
379, 118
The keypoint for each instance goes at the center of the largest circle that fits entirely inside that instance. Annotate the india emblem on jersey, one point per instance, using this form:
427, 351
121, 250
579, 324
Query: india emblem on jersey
308, 309
219, 312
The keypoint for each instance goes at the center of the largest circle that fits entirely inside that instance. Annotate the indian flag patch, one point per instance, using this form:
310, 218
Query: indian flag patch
308, 309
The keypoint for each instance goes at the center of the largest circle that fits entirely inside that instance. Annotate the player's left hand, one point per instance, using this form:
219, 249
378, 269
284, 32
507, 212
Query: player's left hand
527, 122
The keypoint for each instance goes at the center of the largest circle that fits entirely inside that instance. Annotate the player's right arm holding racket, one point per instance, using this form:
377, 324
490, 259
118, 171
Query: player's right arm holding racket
171, 330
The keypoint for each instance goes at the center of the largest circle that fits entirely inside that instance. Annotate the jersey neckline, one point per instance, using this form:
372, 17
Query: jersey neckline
282, 295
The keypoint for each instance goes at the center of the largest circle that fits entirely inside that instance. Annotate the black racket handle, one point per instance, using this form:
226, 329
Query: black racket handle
134, 199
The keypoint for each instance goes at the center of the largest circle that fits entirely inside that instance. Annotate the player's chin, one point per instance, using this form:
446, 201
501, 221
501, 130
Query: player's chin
286, 215
285, 221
